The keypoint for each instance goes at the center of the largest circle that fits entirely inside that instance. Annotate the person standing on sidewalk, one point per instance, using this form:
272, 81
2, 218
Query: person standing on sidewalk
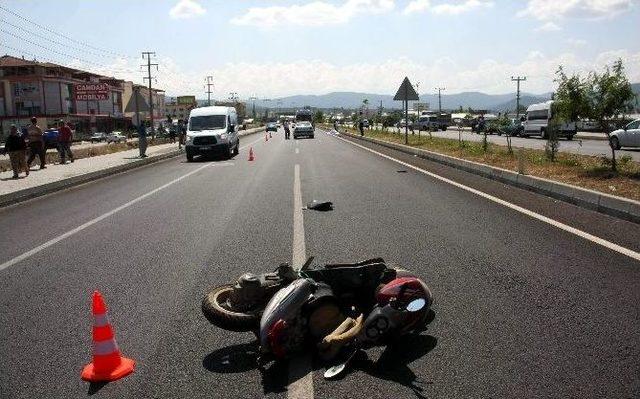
65, 136
182, 133
36, 143
142, 140
16, 148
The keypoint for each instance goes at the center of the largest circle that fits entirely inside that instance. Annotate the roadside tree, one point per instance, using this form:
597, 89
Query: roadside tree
610, 95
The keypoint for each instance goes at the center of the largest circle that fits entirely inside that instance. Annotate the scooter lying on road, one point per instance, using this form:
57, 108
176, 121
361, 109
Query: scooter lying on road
336, 308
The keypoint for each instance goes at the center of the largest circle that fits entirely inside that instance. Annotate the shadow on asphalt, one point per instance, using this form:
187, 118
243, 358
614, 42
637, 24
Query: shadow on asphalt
244, 357
392, 365
94, 387
209, 158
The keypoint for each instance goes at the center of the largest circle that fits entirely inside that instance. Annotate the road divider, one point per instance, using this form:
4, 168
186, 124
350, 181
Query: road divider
619, 207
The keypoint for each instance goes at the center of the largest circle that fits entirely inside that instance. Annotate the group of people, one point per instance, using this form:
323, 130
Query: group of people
17, 144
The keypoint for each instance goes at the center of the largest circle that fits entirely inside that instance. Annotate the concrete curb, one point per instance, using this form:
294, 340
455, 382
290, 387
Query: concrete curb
612, 205
34, 192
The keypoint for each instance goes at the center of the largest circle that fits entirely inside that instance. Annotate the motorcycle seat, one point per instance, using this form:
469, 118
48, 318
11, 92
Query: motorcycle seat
357, 264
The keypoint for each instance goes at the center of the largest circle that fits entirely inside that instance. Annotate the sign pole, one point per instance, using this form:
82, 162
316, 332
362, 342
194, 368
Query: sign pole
406, 114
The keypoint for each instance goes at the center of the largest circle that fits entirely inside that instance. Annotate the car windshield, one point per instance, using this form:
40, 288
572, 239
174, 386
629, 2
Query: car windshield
207, 122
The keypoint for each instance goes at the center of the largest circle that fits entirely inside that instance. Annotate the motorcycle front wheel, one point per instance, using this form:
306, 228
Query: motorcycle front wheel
215, 307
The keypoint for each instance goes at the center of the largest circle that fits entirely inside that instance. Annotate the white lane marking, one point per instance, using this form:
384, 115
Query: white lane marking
91, 222
300, 377
583, 234
297, 151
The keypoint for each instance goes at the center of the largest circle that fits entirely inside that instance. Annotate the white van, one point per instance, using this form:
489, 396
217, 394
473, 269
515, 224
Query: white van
537, 121
212, 130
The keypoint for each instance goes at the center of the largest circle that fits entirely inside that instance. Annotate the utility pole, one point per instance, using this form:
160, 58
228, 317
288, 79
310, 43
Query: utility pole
518, 79
148, 55
253, 99
440, 89
209, 84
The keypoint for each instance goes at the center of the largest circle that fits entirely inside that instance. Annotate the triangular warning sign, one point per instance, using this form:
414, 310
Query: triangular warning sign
406, 92
142, 105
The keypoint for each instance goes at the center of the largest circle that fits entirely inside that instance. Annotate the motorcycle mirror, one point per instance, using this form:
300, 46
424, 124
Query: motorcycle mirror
416, 305
334, 371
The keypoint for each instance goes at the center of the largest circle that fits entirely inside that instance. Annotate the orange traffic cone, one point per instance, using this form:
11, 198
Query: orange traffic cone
108, 364
251, 158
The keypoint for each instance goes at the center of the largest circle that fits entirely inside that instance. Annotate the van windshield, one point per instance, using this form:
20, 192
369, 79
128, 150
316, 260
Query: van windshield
207, 122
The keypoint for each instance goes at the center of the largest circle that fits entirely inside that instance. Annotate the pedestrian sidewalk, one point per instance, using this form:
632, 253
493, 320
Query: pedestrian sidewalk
57, 177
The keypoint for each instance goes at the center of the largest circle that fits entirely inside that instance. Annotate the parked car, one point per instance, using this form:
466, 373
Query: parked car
98, 137
50, 137
628, 136
272, 127
116, 137
303, 129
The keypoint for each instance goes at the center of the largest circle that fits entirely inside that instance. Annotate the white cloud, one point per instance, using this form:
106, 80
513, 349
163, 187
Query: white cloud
316, 13
186, 9
576, 42
556, 9
459, 8
548, 27
416, 6
451, 8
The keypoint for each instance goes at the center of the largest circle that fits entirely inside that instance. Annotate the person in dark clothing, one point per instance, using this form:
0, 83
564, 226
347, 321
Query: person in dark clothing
361, 127
142, 140
182, 133
65, 137
287, 130
36, 143
16, 147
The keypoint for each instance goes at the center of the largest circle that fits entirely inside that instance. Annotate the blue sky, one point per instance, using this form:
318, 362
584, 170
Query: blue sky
282, 47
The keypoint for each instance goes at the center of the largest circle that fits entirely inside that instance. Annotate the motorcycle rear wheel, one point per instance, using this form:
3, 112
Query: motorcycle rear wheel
215, 309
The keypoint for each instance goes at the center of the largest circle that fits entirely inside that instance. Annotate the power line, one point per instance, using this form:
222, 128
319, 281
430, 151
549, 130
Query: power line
85, 51
58, 33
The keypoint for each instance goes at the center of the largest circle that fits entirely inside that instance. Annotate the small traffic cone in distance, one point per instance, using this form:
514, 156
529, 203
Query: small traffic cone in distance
108, 363
251, 157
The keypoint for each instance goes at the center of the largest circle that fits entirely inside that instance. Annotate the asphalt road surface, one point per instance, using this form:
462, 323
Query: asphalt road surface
576, 146
525, 306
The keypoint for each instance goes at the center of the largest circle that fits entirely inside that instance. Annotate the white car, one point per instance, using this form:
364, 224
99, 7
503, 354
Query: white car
116, 137
628, 136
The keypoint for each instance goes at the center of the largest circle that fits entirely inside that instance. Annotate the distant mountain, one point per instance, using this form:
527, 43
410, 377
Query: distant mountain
475, 100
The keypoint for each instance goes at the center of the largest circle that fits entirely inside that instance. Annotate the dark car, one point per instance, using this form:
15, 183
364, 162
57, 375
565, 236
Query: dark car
50, 137
272, 127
